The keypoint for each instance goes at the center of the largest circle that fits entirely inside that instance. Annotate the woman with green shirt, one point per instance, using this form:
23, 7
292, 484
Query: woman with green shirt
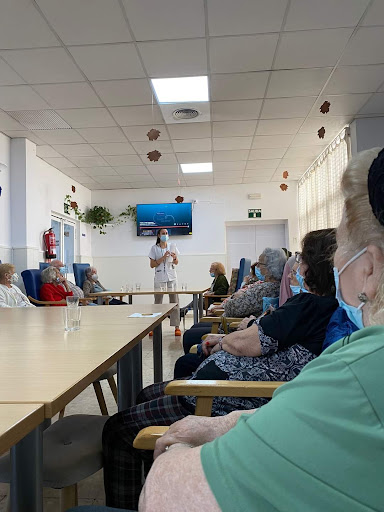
219, 284
317, 446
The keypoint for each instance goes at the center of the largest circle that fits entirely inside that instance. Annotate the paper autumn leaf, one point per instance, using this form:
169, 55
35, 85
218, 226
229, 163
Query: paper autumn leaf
73, 189
179, 199
154, 156
284, 187
324, 109
153, 134
321, 132
74, 204
285, 174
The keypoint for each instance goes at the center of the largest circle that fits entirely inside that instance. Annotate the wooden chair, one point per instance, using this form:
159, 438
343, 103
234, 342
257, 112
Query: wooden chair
205, 391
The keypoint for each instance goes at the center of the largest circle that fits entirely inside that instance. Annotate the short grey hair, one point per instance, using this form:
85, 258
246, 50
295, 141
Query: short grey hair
48, 275
275, 260
88, 271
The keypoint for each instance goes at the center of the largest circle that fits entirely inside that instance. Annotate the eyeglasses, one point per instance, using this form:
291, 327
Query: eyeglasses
298, 257
258, 264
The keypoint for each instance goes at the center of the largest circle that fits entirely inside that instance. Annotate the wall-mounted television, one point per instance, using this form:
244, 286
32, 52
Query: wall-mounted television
176, 217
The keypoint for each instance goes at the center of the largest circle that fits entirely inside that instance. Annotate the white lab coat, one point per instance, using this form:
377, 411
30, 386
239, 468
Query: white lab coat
166, 271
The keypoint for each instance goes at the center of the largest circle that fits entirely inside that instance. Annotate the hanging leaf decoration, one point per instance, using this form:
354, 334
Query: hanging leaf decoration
284, 187
285, 174
321, 132
153, 134
73, 189
154, 156
324, 109
179, 199
74, 205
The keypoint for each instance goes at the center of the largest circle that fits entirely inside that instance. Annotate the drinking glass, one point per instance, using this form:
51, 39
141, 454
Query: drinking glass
163, 288
130, 288
138, 286
72, 302
184, 287
72, 317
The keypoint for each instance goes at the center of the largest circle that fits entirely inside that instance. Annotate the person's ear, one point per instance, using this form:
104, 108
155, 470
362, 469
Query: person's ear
373, 269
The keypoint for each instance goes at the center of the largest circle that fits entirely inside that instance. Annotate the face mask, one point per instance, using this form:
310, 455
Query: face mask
63, 270
57, 279
212, 274
300, 280
14, 278
355, 314
295, 289
164, 238
259, 275
95, 277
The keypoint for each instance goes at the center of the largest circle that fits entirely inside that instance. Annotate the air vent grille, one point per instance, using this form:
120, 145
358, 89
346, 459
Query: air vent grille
40, 119
185, 113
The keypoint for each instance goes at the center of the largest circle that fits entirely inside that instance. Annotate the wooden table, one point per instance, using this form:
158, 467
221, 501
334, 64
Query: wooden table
197, 299
41, 363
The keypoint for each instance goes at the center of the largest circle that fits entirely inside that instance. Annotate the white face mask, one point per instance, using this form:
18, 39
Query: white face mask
14, 278
95, 277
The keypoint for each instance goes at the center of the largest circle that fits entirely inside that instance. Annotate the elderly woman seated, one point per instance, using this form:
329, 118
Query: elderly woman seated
55, 287
274, 350
219, 284
92, 285
316, 445
10, 295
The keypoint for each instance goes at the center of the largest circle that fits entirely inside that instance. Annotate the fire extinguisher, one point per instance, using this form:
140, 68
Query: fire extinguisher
50, 244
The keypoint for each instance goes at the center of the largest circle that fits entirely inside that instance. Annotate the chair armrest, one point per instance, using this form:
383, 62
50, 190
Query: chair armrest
234, 325
210, 319
218, 296
193, 349
222, 388
47, 302
146, 438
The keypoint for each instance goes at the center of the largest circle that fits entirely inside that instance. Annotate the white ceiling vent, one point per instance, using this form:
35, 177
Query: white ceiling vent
185, 113
254, 196
40, 119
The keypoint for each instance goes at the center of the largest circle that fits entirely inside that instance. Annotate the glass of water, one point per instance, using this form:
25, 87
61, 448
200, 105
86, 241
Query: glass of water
184, 287
72, 302
138, 286
72, 317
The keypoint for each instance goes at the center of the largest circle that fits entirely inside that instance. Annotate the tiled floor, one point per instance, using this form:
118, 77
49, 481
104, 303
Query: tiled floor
91, 490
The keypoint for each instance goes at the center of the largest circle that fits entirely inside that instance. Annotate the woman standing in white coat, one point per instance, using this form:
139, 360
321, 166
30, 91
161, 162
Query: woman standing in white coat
163, 258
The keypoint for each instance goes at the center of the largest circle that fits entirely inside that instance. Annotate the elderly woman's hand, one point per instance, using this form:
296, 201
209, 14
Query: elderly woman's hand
244, 323
210, 342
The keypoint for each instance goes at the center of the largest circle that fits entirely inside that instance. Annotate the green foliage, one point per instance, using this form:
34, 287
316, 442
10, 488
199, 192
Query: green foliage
72, 205
129, 213
99, 217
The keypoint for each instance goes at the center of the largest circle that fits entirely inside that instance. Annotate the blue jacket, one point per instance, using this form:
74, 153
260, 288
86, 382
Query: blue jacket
339, 326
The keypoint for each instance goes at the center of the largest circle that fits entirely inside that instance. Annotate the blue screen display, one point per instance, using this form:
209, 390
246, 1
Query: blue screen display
176, 217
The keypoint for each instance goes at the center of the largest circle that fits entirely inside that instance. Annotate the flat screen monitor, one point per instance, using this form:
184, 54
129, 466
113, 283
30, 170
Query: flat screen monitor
176, 217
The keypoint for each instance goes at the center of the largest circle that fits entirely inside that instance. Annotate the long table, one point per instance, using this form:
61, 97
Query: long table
42, 364
197, 298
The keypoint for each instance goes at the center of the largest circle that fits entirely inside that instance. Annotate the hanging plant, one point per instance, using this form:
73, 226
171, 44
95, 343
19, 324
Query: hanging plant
72, 205
130, 213
99, 217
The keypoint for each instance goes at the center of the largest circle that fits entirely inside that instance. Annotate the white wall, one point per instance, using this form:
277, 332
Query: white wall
122, 258
5, 200
367, 133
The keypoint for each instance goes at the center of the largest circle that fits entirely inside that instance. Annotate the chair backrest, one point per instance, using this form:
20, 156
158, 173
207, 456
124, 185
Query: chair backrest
244, 270
43, 265
270, 301
233, 281
32, 282
79, 273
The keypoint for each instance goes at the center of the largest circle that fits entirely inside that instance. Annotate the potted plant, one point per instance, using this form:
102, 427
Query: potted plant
99, 217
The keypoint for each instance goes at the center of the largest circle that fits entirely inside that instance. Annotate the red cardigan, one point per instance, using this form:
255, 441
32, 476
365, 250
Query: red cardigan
51, 292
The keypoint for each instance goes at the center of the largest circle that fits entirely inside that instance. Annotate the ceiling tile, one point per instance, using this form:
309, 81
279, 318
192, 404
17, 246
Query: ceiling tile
144, 184
167, 158
109, 179
310, 14
297, 82
375, 15
86, 22
132, 116
267, 153
21, 26
198, 179
14, 134
145, 147
375, 105
114, 148
95, 186
87, 181
287, 107
161, 170
200, 183
355, 79
296, 162
43, 65
87, 117
272, 141
235, 110
220, 167
8, 76
170, 184
228, 181
260, 179
230, 156
74, 172
263, 164
251, 173
279, 126
102, 134
174, 58
88, 161
311, 49
331, 124
190, 130
139, 133
342, 105
292, 170
304, 152
100, 171
77, 95
365, 47
120, 160
59, 162
108, 61
20, 97
131, 169
227, 174
239, 86
60, 136
242, 53
168, 19
291, 177
124, 92
8, 123
234, 128
75, 150
184, 146
135, 178
229, 143
312, 139
43, 151
196, 157
226, 17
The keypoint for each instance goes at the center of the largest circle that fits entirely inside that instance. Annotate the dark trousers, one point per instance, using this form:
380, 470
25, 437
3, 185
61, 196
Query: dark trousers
193, 335
186, 365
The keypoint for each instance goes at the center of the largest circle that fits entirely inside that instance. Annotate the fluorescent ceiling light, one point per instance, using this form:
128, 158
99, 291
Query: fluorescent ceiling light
190, 168
177, 90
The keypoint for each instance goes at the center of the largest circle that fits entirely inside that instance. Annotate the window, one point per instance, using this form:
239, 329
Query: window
319, 193
65, 231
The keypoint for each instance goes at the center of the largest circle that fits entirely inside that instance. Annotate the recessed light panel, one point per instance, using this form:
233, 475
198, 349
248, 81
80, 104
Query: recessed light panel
192, 168
177, 90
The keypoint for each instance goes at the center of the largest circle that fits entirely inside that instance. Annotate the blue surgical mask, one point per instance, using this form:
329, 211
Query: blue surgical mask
355, 314
295, 289
259, 275
63, 270
164, 238
212, 274
300, 280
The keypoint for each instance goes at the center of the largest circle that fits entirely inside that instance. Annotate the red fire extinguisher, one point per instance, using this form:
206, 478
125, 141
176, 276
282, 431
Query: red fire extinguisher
50, 244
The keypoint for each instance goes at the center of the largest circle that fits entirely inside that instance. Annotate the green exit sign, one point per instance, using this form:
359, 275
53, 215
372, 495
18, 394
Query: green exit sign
254, 213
